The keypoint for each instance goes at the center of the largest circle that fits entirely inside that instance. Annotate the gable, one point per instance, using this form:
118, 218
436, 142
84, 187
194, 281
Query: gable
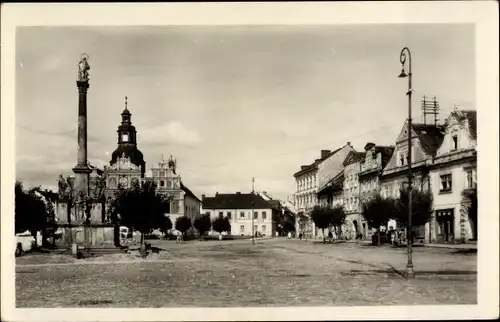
403, 134
352, 157
401, 151
457, 127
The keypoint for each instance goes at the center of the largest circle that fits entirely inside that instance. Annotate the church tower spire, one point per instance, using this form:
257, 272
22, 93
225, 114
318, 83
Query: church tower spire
127, 141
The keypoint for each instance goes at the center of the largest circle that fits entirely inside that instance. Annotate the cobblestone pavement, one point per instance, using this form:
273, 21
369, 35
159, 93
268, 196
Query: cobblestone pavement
273, 272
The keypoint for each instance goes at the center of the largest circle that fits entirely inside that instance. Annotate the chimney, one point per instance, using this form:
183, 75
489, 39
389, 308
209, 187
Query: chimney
238, 193
349, 144
202, 197
324, 153
216, 193
369, 146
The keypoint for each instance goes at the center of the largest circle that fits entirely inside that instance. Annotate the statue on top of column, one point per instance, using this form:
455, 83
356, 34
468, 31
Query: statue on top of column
83, 68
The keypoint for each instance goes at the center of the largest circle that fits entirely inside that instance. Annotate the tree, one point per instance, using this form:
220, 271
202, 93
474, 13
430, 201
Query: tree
31, 210
377, 211
337, 218
322, 218
221, 225
202, 224
166, 225
183, 224
140, 207
421, 203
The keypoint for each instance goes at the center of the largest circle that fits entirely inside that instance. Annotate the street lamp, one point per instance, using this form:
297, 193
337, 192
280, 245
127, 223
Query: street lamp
402, 58
253, 233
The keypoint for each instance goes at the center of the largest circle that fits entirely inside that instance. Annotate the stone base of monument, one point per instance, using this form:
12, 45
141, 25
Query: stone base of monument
90, 239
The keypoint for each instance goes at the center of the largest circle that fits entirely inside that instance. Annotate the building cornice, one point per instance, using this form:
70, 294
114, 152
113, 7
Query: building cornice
455, 156
417, 166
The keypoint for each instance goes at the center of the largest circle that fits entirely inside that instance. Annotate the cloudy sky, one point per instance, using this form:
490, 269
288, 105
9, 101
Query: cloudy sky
230, 103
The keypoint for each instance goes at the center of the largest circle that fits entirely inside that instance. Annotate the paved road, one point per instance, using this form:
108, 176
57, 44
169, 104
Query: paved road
274, 272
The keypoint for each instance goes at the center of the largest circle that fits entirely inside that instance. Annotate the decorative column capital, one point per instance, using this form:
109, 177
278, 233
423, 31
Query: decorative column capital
82, 86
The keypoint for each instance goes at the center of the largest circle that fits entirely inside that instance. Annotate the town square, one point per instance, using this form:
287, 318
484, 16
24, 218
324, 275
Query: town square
250, 166
271, 273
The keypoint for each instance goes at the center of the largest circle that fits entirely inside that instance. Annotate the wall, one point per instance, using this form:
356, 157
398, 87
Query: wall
451, 199
191, 207
331, 166
351, 188
306, 199
306, 190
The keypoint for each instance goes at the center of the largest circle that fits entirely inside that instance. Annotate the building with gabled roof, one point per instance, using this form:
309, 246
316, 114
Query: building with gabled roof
426, 140
240, 208
453, 178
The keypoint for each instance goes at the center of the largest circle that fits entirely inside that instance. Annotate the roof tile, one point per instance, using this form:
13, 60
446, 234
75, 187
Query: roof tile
235, 201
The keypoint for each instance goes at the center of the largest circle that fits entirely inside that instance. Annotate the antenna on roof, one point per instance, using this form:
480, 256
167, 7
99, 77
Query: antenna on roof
253, 182
430, 107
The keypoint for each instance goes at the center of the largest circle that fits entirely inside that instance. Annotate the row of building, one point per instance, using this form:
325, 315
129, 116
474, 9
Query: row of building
444, 158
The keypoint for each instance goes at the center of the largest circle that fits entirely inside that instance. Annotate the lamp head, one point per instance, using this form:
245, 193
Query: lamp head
403, 73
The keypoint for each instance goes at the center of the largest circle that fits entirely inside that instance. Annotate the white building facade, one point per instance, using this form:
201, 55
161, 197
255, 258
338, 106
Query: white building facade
240, 208
453, 174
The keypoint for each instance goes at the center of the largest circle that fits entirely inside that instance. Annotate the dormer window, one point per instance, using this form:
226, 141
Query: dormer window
455, 142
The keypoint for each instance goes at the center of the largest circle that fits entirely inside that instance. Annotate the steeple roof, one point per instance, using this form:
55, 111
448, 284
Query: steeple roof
127, 142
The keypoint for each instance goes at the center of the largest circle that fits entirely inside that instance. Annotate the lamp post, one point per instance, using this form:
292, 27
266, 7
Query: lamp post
253, 233
402, 58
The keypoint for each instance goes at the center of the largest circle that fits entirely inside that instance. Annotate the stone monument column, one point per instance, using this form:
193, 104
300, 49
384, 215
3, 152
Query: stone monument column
82, 170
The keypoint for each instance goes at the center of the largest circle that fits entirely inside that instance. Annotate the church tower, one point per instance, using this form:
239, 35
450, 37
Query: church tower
127, 142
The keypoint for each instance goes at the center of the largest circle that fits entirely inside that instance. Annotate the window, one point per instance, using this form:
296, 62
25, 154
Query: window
446, 182
125, 137
162, 173
470, 179
221, 214
263, 228
242, 214
401, 159
162, 183
169, 183
242, 228
255, 215
229, 214
264, 215
455, 142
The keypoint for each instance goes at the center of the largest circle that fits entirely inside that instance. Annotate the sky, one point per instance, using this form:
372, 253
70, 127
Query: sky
230, 102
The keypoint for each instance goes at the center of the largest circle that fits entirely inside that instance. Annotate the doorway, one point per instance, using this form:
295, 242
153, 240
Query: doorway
356, 233
445, 225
